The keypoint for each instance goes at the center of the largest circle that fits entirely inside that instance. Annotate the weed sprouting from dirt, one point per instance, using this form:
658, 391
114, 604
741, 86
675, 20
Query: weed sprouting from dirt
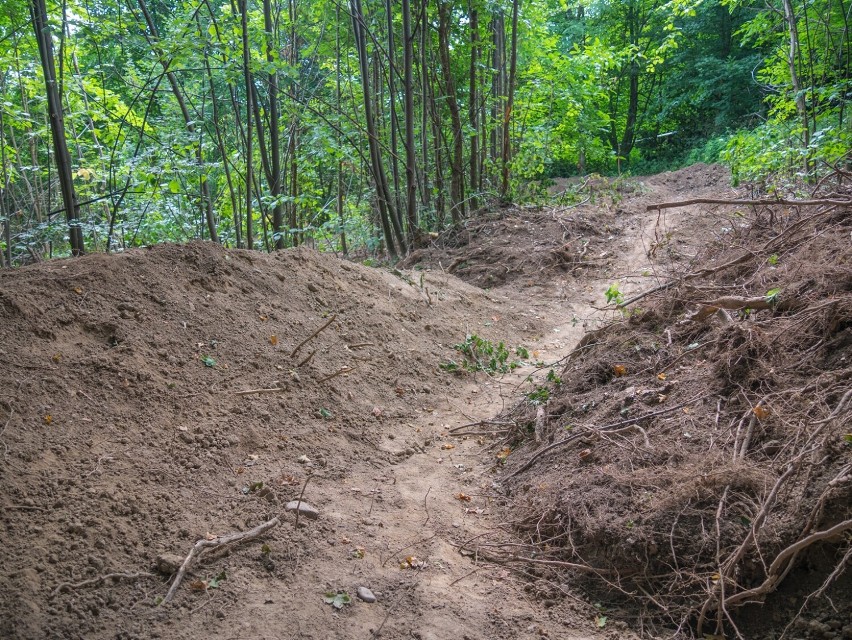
481, 354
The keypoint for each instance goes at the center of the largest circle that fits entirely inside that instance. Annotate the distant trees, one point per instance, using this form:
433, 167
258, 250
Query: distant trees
267, 123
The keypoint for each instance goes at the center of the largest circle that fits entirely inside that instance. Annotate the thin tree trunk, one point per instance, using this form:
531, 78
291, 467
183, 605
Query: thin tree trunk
473, 107
249, 97
510, 102
408, 89
382, 196
274, 134
457, 200
340, 218
38, 13
795, 85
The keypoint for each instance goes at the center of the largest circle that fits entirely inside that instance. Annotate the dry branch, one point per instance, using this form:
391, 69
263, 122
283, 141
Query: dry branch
792, 203
67, 586
249, 392
203, 544
313, 335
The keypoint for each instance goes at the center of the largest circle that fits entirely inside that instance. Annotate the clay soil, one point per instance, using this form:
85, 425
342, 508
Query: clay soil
156, 398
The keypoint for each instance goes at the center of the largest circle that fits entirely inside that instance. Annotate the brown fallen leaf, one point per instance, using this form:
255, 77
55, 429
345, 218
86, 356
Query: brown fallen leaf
619, 370
448, 446
761, 412
462, 497
273, 340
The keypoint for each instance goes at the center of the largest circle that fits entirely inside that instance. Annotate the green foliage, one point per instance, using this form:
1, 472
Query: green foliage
613, 294
481, 354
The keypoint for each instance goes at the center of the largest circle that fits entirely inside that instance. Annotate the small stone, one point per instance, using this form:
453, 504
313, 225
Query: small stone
366, 595
168, 563
303, 508
303, 459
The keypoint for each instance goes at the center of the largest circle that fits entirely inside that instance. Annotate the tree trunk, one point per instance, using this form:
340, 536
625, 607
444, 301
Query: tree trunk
473, 107
274, 133
795, 85
377, 169
408, 90
249, 98
510, 102
38, 13
457, 200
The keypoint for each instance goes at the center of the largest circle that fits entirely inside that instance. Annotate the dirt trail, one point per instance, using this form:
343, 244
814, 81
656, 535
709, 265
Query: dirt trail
125, 441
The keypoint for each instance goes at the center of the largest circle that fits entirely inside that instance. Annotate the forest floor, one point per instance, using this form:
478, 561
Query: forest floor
165, 396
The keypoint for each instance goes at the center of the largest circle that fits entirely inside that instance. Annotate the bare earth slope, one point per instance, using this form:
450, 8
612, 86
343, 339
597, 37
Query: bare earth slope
125, 440
157, 398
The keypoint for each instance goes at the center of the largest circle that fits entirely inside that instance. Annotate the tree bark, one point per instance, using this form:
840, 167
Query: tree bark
473, 107
408, 90
38, 13
510, 102
385, 203
457, 199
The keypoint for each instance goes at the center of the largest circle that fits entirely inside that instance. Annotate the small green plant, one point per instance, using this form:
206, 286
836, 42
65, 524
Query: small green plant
483, 355
539, 396
337, 600
613, 294
552, 377
208, 361
773, 259
771, 296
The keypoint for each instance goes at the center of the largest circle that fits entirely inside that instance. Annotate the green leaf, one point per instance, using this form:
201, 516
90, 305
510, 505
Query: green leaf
600, 621
325, 413
174, 186
208, 361
337, 600
212, 583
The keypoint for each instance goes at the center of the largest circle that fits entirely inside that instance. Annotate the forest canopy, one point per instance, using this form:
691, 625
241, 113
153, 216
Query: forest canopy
362, 125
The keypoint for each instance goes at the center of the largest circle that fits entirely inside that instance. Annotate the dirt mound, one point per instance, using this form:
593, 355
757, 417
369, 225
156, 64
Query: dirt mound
695, 454
155, 397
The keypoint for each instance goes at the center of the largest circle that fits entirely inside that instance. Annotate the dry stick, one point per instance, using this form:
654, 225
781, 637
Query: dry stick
203, 544
248, 392
426, 506
608, 427
337, 373
307, 358
299, 500
774, 569
361, 345
467, 575
313, 335
795, 203
67, 586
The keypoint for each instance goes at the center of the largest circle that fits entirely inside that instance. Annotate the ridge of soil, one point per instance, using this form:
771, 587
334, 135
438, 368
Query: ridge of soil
126, 439
122, 448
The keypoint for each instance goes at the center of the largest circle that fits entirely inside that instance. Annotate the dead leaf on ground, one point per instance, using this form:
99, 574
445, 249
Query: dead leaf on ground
210, 536
761, 412
448, 446
273, 340
619, 370
463, 497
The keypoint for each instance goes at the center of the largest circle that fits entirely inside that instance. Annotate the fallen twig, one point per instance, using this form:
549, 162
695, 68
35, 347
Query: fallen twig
67, 586
337, 373
203, 544
249, 392
313, 335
